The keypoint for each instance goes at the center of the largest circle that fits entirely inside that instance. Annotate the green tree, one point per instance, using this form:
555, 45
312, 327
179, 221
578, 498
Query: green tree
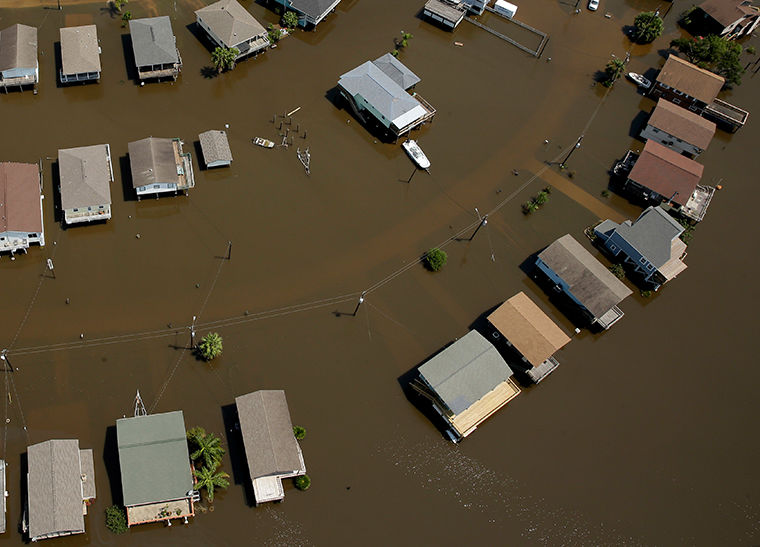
210, 478
618, 271
713, 53
290, 19
274, 35
299, 432
647, 26
303, 482
613, 71
435, 259
206, 447
126, 18
116, 519
210, 346
224, 59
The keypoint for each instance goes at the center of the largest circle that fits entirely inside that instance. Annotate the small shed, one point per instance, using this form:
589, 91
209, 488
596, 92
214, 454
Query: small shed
215, 148
505, 8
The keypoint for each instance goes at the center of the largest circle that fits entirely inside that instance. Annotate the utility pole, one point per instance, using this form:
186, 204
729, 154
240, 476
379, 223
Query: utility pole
410, 176
4, 359
573, 149
361, 301
192, 333
483, 222
229, 250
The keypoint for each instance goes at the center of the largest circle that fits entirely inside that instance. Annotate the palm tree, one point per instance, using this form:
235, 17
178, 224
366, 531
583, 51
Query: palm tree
207, 447
211, 344
614, 70
647, 27
210, 478
224, 58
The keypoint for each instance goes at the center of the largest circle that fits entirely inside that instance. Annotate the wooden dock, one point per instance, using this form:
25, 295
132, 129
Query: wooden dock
535, 52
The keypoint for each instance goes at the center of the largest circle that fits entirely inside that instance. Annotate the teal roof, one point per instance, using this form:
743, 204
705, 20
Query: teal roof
153, 457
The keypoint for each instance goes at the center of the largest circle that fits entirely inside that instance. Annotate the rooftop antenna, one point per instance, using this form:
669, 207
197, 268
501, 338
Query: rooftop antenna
139, 405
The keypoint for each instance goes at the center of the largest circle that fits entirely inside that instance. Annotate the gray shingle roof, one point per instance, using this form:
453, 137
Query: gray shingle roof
80, 52
589, 281
55, 488
154, 458
215, 146
153, 41
18, 47
312, 8
230, 21
270, 446
396, 71
465, 371
85, 176
152, 161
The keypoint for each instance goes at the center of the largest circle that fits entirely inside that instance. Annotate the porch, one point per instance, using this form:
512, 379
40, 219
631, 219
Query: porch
543, 370
81, 77
160, 511
610, 317
700, 199
429, 113
723, 112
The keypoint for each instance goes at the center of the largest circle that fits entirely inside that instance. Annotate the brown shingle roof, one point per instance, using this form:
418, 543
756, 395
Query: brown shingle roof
80, 52
528, 328
85, 174
697, 82
726, 12
668, 173
20, 209
152, 161
682, 123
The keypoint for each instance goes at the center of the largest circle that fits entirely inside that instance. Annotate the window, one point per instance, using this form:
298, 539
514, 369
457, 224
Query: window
89, 208
75, 210
643, 260
676, 101
156, 186
31, 235
649, 267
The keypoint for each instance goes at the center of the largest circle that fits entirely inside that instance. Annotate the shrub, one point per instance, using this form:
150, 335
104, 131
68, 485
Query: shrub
435, 259
618, 271
303, 482
116, 519
605, 193
646, 293
290, 19
210, 346
751, 50
299, 432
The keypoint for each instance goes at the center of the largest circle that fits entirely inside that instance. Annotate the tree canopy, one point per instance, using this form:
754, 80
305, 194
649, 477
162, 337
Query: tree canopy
647, 26
224, 58
713, 53
210, 346
210, 478
206, 447
613, 70
290, 19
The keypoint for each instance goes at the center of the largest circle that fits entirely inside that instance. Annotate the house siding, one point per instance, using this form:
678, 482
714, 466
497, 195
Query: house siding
674, 143
615, 245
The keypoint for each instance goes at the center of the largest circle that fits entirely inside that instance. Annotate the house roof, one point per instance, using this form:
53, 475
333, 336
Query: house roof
450, 12
153, 41
18, 47
230, 21
20, 209
697, 82
79, 49
55, 488
726, 12
590, 282
215, 146
682, 123
380, 90
528, 329
670, 174
270, 446
85, 176
153, 457
396, 71
464, 372
312, 8
152, 161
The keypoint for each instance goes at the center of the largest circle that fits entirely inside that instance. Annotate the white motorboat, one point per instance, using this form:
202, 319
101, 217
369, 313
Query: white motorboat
263, 142
416, 153
640, 80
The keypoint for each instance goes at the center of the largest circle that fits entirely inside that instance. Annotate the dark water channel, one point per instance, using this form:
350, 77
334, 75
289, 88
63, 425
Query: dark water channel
642, 436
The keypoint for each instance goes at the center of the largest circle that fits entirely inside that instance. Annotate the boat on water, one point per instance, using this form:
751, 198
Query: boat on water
416, 153
263, 142
639, 79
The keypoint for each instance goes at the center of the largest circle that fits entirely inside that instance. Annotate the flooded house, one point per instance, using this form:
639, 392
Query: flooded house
529, 336
310, 12
272, 451
21, 208
466, 383
86, 174
160, 166
155, 48
18, 56
650, 246
378, 92
445, 13
80, 54
573, 272
728, 18
215, 148
679, 129
660, 175
696, 89
156, 473
60, 486
230, 25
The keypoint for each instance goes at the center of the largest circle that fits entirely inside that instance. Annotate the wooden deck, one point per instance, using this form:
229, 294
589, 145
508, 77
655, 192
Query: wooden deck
162, 511
466, 422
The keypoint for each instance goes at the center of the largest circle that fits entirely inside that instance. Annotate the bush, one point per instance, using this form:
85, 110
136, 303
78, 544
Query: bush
299, 432
646, 293
751, 50
303, 482
647, 27
210, 346
435, 259
116, 519
605, 193
618, 271
290, 19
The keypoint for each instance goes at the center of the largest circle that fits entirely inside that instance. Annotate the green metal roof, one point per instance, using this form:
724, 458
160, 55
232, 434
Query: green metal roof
154, 459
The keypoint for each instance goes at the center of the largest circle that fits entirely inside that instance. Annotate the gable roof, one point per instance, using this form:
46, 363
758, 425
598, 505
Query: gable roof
270, 446
312, 8
396, 71
670, 174
528, 329
682, 123
20, 208
79, 49
465, 371
590, 282
18, 47
55, 488
153, 41
215, 146
85, 176
230, 21
697, 82
727, 12
153, 458
152, 161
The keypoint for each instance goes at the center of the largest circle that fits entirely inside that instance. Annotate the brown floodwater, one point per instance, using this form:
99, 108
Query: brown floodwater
640, 437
